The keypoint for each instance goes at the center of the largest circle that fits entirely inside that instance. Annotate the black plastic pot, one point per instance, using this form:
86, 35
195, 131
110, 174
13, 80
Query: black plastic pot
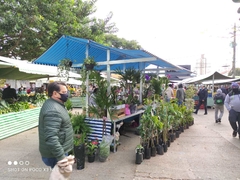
79, 153
160, 149
168, 142
89, 66
165, 147
139, 157
91, 158
172, 137
147, 153
177, 134
182, 128
153, 151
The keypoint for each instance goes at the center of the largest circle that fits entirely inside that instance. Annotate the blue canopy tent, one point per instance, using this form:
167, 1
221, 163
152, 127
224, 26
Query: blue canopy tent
76, 49
107, 58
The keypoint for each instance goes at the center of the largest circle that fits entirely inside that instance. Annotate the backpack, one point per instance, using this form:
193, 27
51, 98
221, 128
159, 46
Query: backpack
219, 100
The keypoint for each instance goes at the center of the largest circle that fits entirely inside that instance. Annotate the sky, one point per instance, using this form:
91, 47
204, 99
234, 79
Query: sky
178, 31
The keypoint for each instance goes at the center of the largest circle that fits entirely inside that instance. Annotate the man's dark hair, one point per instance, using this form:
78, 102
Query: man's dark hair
54, 86
180, 86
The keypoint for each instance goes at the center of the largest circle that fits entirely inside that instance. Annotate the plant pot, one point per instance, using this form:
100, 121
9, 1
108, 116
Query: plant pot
102, 158
168, 143
79, 153
89, 66
165, 147
177, 134
160, 149
172, 137
139, 158
147, 153
91, 158
182, 129
153, 151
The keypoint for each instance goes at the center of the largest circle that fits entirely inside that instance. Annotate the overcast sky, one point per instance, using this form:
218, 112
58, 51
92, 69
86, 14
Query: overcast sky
178, 31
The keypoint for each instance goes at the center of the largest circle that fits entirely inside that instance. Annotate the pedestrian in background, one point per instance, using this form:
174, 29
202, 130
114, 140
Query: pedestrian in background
55, 128
180, 94
219, 105
232, 103
202, 94
168, 93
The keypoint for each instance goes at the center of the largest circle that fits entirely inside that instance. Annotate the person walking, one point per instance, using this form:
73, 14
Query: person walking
168, 93
202, 94
55, 129
180, 95
219, 105
232, 103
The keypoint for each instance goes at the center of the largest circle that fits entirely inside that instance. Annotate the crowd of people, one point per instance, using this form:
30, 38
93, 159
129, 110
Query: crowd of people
226, 97
9, 93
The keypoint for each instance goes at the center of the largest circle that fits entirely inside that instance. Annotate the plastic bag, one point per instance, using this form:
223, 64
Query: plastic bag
104, 147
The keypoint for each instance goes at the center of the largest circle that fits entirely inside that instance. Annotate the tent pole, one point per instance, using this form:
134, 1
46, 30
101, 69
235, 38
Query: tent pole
141, 86
87, 82
213, 84
108, 76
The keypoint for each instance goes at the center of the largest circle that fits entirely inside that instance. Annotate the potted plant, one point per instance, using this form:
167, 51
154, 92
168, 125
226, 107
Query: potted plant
80, 129
145, 131
64, 68
103, 102
89, 63
139, 154
91, 150
104, 148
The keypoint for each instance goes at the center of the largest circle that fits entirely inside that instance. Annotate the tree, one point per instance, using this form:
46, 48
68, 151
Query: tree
114, 41
30, 27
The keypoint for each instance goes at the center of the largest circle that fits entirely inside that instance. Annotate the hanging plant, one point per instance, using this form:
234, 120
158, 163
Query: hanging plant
64, 68
89, 63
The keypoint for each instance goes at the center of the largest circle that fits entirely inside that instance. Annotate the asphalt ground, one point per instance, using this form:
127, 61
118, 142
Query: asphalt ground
205, 151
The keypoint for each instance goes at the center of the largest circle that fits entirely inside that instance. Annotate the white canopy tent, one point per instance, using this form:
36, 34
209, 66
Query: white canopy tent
29, 69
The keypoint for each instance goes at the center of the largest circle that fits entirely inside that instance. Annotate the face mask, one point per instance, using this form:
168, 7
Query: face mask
64, 97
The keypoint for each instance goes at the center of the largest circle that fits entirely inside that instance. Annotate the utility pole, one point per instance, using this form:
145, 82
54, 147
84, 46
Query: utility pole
234, 51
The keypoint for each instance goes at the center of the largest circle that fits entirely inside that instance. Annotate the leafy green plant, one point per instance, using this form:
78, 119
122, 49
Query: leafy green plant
80, 128
91, 148
68, 104
102, 99
64, 68
89, 60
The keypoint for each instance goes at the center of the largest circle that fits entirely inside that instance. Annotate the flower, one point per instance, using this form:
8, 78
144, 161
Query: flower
92, 147
147, 77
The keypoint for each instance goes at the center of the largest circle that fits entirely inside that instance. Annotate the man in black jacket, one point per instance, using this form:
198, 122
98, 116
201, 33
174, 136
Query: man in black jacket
202, 94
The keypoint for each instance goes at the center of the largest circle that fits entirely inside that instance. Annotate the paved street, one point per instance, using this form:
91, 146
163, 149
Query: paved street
204, 151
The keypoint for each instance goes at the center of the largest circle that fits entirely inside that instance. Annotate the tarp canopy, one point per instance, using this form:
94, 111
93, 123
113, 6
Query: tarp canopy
222, 81
24, 70
75, 49
211, 76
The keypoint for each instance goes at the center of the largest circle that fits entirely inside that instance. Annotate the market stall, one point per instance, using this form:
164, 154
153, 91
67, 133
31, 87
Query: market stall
108, 59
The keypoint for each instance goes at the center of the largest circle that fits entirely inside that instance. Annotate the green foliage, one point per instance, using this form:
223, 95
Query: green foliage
16, 107
104, 149
91, 148
102, 98
114, 41
190, 91
64, 68
156, 84
89, 60
80, 128
30, 27
68, 104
